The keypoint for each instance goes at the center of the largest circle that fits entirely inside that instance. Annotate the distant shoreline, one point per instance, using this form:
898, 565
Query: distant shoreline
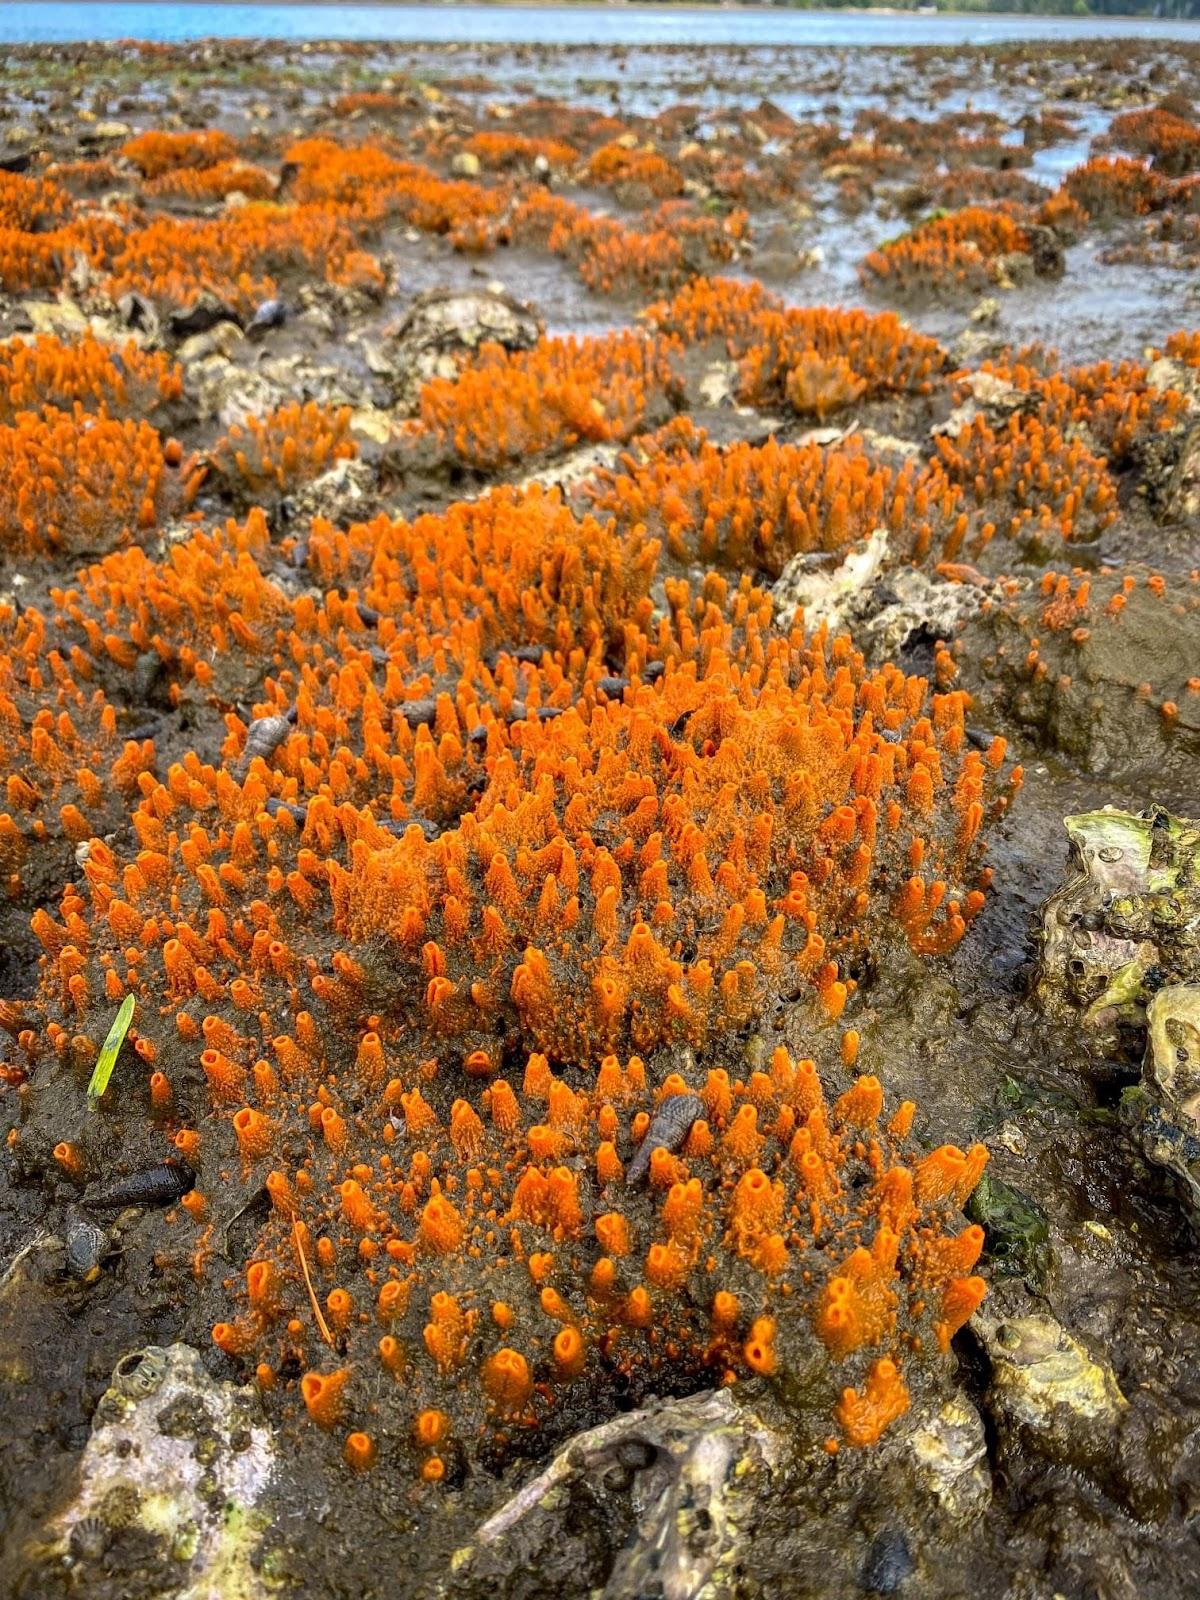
659, 6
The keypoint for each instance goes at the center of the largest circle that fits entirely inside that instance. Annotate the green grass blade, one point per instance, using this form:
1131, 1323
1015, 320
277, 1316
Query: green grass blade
112, 1048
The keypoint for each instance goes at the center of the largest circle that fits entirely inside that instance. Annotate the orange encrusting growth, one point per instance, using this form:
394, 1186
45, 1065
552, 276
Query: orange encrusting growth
498, 816
639, 868
735, 1268
959, 250
283, 450
48, 371
75, 483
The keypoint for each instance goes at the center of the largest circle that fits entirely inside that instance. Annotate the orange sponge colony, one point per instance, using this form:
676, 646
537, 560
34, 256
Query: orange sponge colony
421, 955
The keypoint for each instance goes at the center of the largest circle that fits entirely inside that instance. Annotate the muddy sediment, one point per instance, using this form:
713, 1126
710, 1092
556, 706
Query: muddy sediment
435, 480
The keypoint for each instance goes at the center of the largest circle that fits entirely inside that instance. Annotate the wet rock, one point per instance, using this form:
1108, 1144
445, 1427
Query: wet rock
888, 1565
1163, 1110
221, 339
1051, 1399
947, 1462
647, 1504
178, 1463
343, 494
1126, 921
575, 468
993, 397
1047, 1395
894, 615
231, 393
443, 328
1046, 251
204, 313
716, 386
1180, 497
1099, 671
136, 312
828, 592
912, 611
104, 133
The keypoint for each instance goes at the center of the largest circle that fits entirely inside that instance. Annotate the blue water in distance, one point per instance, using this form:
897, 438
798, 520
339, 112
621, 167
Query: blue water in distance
51, 21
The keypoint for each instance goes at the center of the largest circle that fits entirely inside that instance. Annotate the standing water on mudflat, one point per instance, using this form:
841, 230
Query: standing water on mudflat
599, 990
39, 21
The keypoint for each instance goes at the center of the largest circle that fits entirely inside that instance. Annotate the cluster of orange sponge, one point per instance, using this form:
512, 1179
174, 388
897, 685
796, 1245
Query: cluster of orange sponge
503, 407
753, 507
816, 358
494, 829
76, 483
958, 251
48, 371
279, 452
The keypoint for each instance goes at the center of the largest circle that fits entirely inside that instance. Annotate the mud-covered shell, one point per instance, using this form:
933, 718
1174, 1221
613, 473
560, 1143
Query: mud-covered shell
263, 738
1126, 918
668, 1129
688, 1473
160, 1185
1163, 1111
172, 1451
86, 1244
1173, 1051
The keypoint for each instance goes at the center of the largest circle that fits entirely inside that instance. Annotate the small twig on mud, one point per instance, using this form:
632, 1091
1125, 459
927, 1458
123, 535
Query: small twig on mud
312, 1295
16, 1261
